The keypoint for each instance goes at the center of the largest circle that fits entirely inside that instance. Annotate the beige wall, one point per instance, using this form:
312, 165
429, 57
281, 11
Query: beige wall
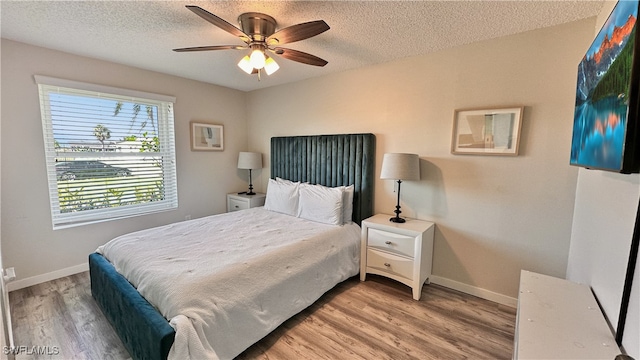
494, 215
28, 242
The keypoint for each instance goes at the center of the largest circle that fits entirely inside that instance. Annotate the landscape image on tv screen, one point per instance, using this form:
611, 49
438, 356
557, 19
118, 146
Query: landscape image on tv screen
603, 93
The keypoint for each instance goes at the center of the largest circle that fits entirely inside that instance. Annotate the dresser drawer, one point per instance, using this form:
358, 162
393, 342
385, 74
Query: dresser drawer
390, 263
400, 244
235, 204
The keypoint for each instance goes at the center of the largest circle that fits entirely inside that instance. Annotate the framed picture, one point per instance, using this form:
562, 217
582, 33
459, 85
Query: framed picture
206, 137
487, 131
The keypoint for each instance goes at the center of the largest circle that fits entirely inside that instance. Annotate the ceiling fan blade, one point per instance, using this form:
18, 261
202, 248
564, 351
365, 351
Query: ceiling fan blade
300, 56
298, 32
207, 48
219, 22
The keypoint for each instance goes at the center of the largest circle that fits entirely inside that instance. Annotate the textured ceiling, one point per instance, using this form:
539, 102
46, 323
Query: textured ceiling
142, 33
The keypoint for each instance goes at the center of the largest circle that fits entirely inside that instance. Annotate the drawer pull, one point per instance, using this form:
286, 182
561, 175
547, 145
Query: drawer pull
387, 264
388, 242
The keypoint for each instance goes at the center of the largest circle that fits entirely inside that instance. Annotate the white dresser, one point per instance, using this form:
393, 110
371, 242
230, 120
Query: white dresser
400, 251
237, 201
560, 319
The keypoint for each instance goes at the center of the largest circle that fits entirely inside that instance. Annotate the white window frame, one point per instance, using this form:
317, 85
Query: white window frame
166, 136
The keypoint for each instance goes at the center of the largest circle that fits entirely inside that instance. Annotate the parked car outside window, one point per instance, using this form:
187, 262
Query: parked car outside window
87, 169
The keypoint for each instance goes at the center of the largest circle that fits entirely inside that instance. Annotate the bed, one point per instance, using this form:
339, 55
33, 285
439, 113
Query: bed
330, 160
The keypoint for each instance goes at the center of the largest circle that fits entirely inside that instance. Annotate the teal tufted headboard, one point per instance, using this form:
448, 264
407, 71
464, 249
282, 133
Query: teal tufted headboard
330, 160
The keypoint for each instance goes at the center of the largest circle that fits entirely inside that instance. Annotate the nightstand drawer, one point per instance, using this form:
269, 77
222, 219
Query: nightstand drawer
390, 263
243, 201
235, 204
397, 243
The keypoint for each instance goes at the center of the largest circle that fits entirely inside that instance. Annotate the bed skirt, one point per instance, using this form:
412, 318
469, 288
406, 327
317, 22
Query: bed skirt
145, 333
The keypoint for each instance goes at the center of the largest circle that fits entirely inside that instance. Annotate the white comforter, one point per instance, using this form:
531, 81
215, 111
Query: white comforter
226, 281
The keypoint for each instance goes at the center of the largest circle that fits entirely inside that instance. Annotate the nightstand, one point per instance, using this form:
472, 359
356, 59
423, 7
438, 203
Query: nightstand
400, 251
237, 201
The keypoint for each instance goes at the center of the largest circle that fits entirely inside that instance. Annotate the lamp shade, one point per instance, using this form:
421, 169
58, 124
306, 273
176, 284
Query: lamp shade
271, 66
245, 64
250, 160
397, 166
257, 59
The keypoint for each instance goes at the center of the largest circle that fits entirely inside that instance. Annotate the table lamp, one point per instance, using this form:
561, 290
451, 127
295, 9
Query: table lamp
397, 166
250, 161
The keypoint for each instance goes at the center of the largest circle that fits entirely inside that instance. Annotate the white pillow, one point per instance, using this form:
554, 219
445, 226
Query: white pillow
347, 203
285, 181
282, 197
320, 203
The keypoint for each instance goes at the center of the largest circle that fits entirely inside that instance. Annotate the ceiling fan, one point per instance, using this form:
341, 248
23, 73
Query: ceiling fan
260, 35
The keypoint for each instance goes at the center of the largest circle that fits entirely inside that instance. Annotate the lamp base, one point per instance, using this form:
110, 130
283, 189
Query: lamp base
250, 185
397, 219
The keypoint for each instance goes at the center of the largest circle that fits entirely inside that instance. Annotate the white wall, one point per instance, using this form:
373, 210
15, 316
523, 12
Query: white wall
603, 223
28, 242
494, 215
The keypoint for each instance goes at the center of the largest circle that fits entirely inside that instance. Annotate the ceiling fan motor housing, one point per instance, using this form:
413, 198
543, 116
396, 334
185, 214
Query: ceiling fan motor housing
257, 25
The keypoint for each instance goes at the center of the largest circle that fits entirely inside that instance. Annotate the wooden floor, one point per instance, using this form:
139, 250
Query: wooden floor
376, 319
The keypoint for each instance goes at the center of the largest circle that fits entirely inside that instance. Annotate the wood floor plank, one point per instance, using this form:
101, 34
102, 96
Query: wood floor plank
416, 336
375, 319
326, 338
86, 316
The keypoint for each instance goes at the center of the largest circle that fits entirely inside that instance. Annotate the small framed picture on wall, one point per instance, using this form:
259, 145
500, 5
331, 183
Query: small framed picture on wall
487, 131
206, 137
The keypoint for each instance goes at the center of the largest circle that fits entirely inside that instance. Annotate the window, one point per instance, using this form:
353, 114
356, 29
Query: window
110, 152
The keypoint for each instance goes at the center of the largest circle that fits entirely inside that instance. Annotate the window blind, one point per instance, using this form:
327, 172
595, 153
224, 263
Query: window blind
110, 152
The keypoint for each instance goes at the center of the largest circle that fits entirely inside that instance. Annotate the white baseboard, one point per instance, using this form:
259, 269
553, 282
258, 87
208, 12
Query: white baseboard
39, 279
475, 291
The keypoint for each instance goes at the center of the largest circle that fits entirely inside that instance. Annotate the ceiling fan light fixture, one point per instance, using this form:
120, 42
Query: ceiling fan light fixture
270, 66
259, 34
257, 59
245, 65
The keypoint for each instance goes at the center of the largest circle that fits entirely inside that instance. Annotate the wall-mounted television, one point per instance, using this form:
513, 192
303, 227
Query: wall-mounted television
606, 119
